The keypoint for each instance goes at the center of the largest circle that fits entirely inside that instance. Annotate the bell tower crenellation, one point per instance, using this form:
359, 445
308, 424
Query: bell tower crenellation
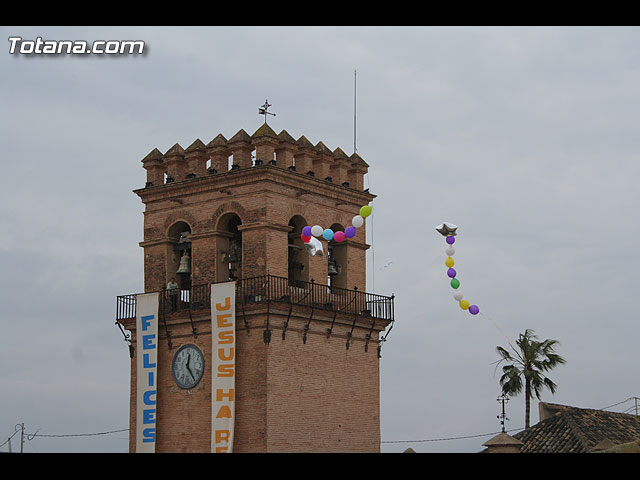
218, 153
196, 159
279, 149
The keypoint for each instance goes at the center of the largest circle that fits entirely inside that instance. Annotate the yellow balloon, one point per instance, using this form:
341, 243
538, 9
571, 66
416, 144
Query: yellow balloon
464, 304
449, 262
365, 211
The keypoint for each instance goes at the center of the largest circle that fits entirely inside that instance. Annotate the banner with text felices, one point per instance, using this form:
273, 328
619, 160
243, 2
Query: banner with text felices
147, 359
223, 370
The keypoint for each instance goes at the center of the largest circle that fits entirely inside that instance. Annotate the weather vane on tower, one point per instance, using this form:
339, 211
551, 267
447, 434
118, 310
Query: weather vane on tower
263, 110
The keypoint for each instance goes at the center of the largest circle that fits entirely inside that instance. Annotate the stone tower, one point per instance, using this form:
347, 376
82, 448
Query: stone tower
308, 335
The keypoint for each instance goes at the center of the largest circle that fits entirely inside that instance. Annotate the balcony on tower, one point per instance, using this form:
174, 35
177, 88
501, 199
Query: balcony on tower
274, 301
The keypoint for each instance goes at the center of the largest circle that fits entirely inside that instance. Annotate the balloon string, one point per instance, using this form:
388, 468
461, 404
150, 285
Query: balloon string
497, 327
373, 244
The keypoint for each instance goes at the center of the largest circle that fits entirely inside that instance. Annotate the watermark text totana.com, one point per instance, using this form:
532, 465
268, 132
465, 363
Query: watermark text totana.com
17, 45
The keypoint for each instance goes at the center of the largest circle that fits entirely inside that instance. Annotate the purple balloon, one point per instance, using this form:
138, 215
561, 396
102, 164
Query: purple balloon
473, 309
451, 272
350, 232
451, 239
306, 231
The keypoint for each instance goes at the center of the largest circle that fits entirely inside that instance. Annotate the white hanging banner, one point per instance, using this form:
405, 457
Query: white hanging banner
223, 370
147, 359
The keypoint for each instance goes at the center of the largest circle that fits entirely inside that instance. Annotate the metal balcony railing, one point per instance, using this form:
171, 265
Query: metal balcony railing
269, 288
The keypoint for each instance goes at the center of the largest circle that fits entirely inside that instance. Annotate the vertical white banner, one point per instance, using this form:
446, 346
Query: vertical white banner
147, 359
223, 371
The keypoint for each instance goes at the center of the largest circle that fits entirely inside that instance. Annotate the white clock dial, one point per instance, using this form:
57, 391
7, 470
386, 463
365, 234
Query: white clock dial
188, 366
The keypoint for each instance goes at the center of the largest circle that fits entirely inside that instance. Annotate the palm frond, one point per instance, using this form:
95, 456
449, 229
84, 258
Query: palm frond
550, 385
511, 381
504, 354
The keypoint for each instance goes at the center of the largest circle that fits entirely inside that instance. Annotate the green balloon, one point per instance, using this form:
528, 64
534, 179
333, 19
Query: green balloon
455, 283
365, 211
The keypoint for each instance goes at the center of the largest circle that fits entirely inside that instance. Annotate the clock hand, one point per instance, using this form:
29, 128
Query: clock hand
188, 369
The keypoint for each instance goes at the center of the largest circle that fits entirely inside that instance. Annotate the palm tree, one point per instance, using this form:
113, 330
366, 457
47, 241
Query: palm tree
530, 361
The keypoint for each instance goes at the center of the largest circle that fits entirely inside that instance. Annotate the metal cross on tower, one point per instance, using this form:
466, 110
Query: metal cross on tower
263, 110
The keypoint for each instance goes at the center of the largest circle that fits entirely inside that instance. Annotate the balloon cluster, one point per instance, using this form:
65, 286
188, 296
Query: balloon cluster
449, 233
339, 236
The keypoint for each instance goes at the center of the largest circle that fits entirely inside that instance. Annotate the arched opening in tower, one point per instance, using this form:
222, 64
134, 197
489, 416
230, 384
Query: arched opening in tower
337, 261
298, 258
229, 248
179, 255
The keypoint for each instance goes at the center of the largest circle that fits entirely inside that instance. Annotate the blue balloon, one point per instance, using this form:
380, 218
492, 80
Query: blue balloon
327, 234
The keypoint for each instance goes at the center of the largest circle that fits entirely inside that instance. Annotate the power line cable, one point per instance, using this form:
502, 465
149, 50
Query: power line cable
619, 403
9, 438
80, 434
31, 436
449, 438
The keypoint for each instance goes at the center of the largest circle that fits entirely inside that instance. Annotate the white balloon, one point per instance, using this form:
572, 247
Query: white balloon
450, 250
316, 230
357, 221
458, 296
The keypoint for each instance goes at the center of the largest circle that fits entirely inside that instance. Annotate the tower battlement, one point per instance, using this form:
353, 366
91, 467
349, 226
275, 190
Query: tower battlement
242, 151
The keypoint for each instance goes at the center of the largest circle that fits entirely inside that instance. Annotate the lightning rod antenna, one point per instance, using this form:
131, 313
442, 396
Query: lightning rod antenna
355, 72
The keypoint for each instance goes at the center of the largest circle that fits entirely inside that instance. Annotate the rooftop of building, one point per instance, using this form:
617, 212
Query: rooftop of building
567, 429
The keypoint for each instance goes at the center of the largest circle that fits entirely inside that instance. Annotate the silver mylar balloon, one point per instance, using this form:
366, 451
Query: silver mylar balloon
314, 247
447, 229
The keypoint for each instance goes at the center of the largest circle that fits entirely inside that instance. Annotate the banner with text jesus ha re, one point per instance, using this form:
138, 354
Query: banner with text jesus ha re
147, 359
223, 371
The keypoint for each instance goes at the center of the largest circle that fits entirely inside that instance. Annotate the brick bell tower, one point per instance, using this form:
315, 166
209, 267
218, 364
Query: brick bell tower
308, 335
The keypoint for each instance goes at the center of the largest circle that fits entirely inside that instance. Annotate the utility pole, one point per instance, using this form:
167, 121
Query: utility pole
503, 398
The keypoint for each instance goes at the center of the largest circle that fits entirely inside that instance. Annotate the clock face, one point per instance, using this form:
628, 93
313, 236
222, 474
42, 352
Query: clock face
187, 366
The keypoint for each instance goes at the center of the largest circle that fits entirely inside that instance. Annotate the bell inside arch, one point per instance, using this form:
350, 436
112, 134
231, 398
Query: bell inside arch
233, 256
185, 263
333, 267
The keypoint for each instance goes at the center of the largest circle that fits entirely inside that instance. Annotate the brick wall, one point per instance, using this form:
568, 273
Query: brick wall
293, 394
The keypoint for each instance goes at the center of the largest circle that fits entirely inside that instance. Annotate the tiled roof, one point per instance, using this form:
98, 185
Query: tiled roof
579, 430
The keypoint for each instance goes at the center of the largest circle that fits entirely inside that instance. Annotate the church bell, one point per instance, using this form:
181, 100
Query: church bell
233, 256
185, 263
333, 267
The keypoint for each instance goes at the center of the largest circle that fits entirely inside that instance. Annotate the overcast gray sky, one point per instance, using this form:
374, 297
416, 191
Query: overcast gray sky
526, 138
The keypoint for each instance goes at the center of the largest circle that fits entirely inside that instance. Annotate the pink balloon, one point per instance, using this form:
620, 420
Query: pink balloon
339, 236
